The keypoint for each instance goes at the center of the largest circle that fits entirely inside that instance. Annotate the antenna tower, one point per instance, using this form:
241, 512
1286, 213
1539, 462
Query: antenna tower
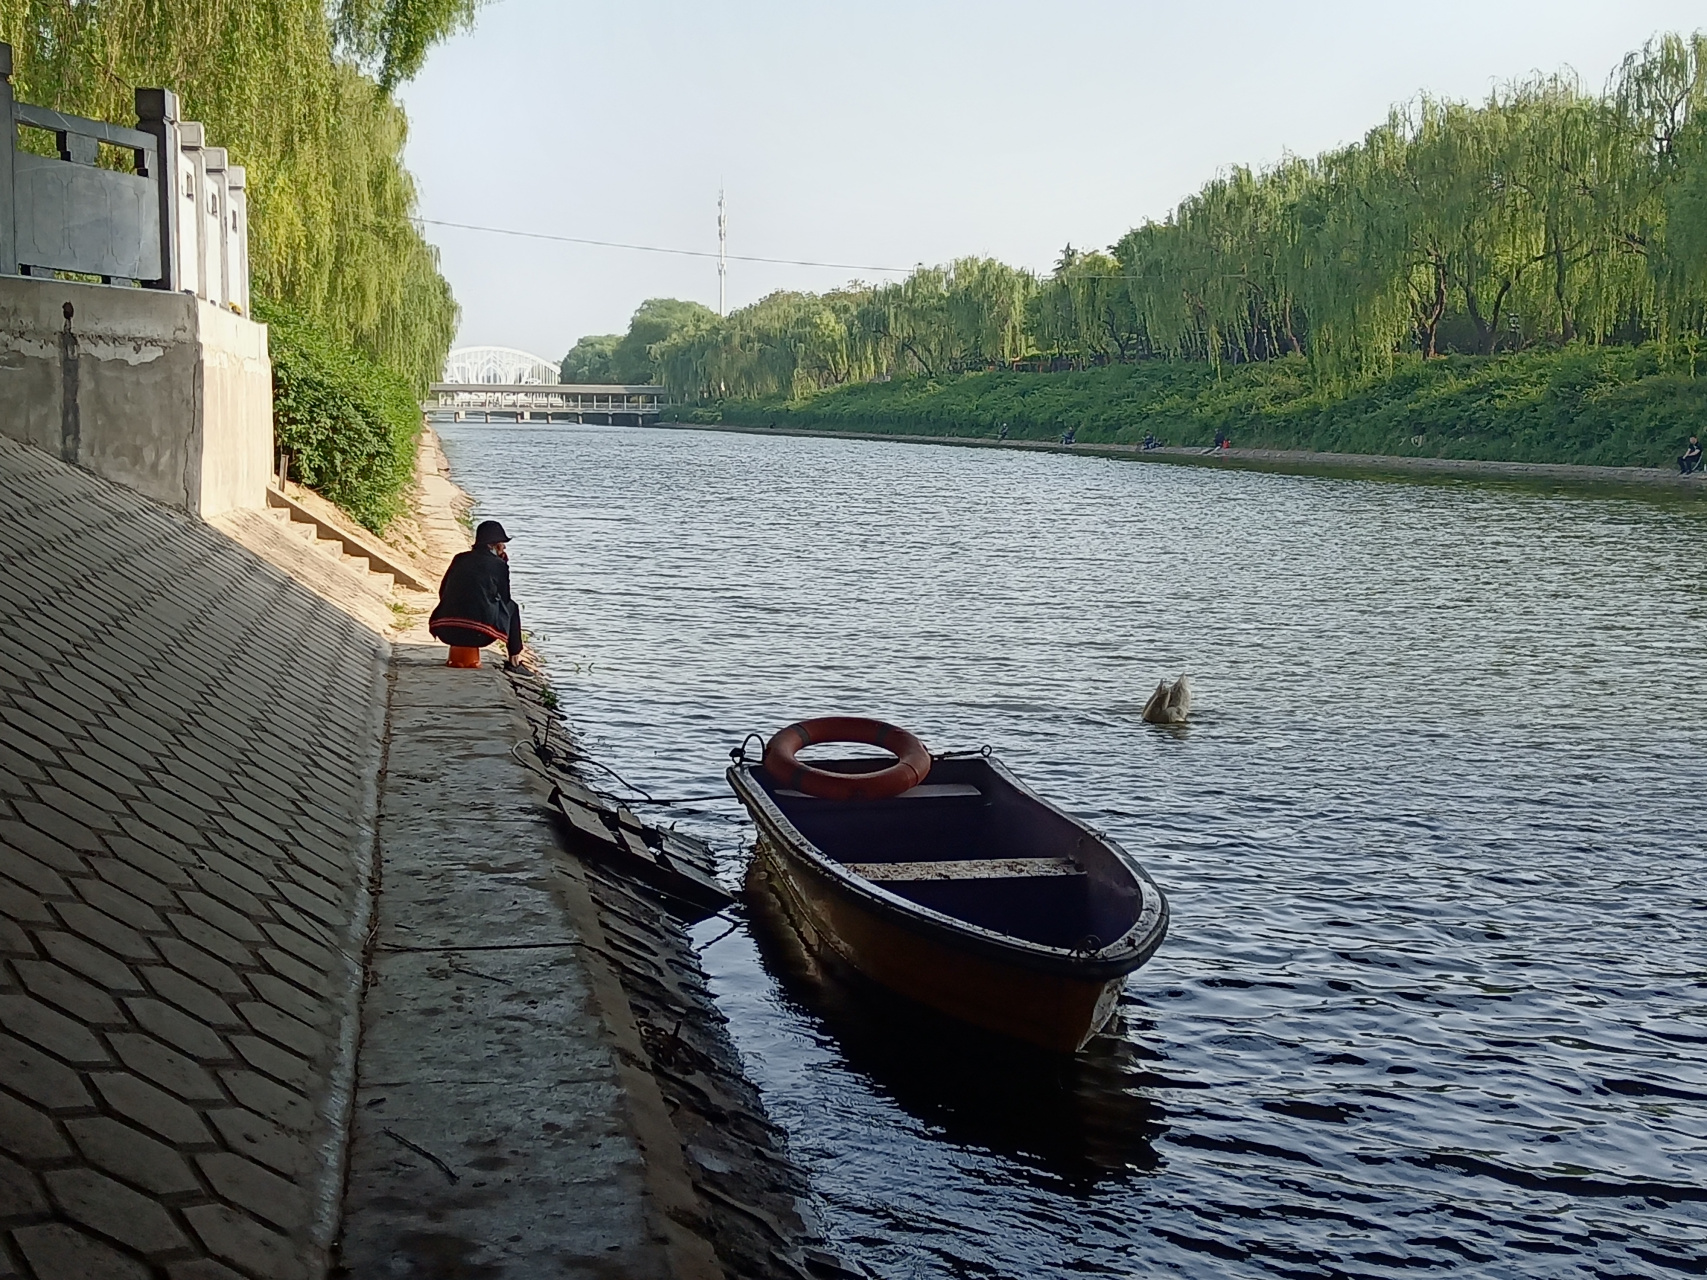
722, 254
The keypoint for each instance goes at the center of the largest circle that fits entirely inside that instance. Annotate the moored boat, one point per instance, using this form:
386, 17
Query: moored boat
966, 892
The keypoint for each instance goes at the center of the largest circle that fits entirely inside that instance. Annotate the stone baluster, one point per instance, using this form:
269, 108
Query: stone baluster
191, 277
237, 238
215, 270
157, 114
8, 208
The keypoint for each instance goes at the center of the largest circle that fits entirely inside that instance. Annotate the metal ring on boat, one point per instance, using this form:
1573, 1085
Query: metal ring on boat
912, 761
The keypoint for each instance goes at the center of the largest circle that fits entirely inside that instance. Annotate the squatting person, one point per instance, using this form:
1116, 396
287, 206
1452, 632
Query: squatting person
1691, 460
474, 606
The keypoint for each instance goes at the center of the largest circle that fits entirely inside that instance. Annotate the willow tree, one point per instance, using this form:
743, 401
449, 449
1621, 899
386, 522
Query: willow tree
331, 204
1083, 312
391, 37
1589, 195
985, 304
1661, 91
910, 317
1214, 281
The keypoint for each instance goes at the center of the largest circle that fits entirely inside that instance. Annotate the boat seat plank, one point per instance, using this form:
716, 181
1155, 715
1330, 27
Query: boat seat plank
967, 869
924, 791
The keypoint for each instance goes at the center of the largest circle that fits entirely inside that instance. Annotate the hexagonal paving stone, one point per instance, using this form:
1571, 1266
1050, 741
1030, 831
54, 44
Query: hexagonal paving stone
141, 1102
166, 1067
190, 996
57, 1251
262, 1192
28, 1133
241, 1240
38, 1077
100, 967
68, 992
179, 1029
114, 1210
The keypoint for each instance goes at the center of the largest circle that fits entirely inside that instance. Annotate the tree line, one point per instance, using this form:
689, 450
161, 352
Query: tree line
1544, 216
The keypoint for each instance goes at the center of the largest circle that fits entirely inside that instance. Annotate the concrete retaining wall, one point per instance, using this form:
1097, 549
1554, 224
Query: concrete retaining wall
161, 392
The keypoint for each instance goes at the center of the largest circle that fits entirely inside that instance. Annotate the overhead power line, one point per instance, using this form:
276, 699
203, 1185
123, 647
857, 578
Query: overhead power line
653, 248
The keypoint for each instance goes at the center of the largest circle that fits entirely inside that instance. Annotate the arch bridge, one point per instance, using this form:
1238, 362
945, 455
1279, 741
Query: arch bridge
501, 384
504, 366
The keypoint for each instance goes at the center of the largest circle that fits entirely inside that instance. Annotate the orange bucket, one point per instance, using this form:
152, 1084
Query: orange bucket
463, 656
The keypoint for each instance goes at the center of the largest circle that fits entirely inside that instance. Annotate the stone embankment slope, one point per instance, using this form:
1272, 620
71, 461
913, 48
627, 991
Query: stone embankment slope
1291, 461
228, 805
188, 769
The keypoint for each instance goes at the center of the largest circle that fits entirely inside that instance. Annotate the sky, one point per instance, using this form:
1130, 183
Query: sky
886, 134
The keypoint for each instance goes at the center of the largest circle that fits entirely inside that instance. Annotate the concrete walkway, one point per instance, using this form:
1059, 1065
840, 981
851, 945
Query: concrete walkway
498, 1131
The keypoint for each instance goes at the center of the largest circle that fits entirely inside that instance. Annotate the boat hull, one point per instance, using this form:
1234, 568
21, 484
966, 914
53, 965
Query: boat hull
1056, 1011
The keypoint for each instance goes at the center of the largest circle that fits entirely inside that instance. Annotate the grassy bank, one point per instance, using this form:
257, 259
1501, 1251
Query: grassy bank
1601, 406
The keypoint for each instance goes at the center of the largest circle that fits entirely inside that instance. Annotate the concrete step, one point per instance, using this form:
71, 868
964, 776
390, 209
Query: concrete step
364, 546
303, 526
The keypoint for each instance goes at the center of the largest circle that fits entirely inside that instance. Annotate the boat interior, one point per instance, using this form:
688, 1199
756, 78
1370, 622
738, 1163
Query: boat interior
969, 844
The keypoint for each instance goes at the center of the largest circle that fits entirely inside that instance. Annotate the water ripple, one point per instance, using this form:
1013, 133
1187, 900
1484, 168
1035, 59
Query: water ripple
1435, 997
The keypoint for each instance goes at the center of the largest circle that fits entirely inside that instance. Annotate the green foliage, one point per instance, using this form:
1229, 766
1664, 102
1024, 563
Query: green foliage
391, 37
330, 203
1084, 313
968, 315
591, 360
348, 423
635, 360
1614, 406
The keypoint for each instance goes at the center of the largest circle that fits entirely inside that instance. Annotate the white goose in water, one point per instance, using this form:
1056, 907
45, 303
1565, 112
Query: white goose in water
1170, 703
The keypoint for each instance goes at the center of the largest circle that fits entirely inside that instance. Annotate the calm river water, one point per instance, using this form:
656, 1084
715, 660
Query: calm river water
1435, 995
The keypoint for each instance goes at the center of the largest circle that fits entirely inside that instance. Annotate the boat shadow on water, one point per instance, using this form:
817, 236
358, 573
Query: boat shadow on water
1081, 1118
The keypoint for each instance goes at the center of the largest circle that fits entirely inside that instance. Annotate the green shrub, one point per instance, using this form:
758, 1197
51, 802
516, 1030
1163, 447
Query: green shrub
348, 423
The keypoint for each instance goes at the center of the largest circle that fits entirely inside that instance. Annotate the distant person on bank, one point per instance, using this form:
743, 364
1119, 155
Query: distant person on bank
474, 599
1691, 459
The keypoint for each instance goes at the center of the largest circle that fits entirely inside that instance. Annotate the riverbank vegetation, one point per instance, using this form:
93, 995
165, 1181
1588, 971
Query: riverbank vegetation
1610, 406
1543, 252
299, 92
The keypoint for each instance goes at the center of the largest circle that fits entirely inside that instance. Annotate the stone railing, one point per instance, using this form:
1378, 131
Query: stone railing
176, 219
166, 387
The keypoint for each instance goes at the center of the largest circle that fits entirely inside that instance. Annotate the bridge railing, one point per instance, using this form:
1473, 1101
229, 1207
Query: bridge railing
463, 398
178, 219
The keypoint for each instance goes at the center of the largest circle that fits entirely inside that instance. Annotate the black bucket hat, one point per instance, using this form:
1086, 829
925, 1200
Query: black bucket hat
490, 531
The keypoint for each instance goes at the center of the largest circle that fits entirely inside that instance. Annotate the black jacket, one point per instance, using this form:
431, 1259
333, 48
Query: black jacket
475, 595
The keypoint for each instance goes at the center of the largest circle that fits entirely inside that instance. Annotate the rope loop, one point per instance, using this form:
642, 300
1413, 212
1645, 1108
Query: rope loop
984, 751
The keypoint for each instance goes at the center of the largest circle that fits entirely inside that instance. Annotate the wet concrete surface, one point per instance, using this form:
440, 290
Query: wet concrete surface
492, 1135
544, 1085
751, 1201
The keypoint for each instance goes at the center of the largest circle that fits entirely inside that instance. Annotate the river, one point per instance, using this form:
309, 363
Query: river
1435, 993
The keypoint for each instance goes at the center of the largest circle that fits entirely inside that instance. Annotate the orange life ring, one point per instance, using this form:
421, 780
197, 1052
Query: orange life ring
912, 761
